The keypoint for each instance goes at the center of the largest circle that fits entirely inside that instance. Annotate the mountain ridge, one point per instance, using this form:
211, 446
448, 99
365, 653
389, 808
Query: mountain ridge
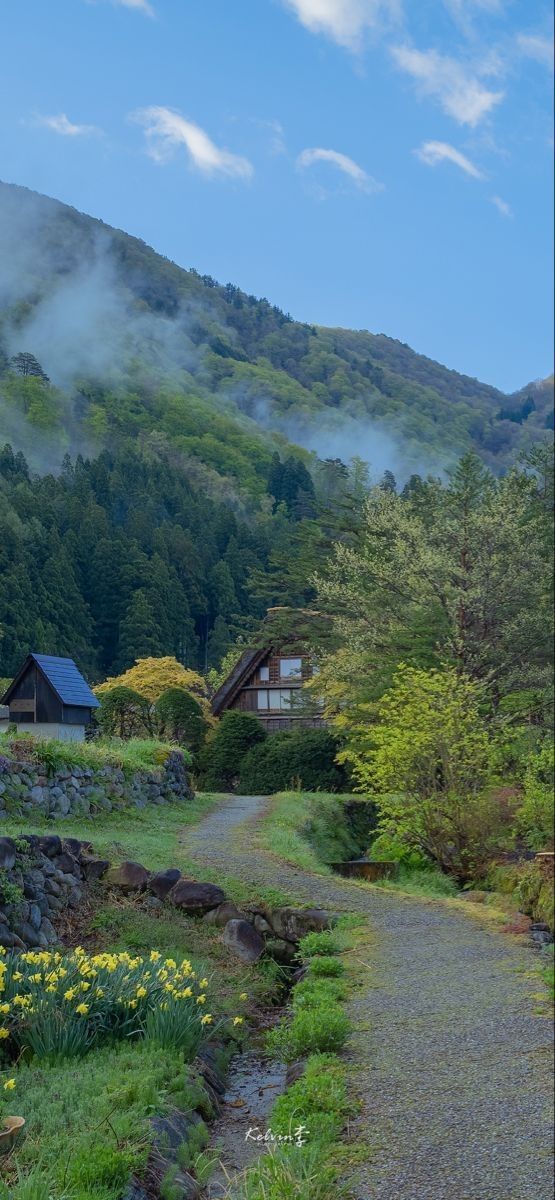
334, 391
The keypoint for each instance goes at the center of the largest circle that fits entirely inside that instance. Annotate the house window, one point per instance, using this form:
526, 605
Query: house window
290, 668
262, 699
264, 674
276, 699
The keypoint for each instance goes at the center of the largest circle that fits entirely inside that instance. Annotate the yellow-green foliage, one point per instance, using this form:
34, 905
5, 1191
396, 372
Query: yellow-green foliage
536, 816
428, 759
150, 677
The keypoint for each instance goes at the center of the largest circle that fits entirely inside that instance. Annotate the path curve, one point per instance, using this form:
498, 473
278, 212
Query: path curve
452, 1061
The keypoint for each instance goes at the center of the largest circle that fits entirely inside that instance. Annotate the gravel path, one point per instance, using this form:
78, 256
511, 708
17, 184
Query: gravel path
452, 1062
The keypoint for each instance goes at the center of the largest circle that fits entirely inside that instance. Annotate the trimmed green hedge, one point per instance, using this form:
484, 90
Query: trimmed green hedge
302, 759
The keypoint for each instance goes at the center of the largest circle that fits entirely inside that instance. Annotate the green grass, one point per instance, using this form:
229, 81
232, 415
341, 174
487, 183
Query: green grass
137, 754
309, 829
419, 881
87, 1126
149, 835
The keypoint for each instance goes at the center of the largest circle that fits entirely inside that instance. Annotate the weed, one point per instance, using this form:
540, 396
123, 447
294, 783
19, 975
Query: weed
312, 1030
289, 1173
318, 943
325, 967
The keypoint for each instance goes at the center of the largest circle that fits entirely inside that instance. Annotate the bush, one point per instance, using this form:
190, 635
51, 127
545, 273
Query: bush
535, 817
124, 713
302, 759
224, 751
180, 719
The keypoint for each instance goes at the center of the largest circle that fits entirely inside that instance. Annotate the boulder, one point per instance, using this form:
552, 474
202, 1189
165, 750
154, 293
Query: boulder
194, 897
129, 876
281, 951
222, 914
50, 845
162, 882
75, 847
67, 863
244, 941
94, 868
7, 853
294, 923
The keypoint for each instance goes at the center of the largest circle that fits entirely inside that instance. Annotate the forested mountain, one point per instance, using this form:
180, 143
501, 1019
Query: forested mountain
178, 451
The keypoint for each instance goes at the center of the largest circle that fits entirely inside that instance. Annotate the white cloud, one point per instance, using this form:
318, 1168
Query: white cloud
533, 45
62, 124
433, 153
345, 21
166, 130
502, 206
343, 163
460, 92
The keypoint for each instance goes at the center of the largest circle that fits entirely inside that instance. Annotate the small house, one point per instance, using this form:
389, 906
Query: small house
268, 683
50, 698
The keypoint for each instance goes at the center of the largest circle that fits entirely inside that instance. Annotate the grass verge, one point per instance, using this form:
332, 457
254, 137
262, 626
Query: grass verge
307, 1123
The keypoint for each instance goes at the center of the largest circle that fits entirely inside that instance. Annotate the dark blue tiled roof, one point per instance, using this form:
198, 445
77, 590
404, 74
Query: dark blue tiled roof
66, 680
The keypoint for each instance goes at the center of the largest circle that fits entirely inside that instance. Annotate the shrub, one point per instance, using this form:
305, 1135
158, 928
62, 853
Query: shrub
535, 817
429, 758
124, 713
303, 759
180, 719
312, 1030
225, 749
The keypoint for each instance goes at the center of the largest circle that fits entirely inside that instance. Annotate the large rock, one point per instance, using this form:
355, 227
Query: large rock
51, 845
194, 897
222, 914
129, 876
294, 923
243, 940
94, 868
162, 882
7, 853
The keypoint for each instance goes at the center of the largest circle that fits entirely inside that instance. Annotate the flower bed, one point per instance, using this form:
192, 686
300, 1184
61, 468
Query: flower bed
62, 1005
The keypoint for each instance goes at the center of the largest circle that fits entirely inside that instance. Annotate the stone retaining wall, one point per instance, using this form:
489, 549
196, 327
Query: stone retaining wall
25, 787
40, 878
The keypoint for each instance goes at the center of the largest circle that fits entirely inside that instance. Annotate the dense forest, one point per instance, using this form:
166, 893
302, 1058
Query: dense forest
178, 454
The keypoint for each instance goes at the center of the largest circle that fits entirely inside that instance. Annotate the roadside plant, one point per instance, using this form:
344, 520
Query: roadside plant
61, 1005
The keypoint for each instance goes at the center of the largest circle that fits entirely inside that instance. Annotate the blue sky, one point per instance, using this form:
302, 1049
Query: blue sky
379, 164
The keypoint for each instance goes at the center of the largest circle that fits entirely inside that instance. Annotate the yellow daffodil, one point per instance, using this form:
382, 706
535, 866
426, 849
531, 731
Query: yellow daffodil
9, 1085
201, 999
4, 1033
237, 1020
206, 1019
82, 1009
243, 996
203, 983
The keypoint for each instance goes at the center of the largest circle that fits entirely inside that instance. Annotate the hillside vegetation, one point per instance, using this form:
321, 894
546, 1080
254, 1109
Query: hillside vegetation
178, 454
